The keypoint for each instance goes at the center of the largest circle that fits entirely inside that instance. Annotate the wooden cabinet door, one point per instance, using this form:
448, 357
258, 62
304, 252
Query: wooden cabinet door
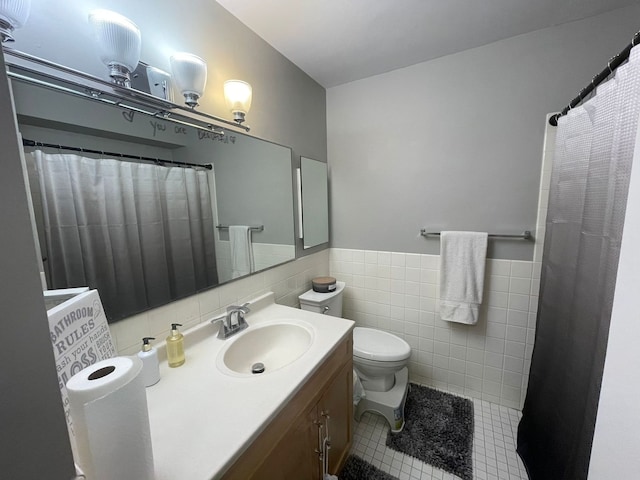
337, 404
295, 456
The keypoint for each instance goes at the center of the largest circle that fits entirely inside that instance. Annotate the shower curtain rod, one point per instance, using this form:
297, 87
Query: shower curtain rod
157, 161
613, 64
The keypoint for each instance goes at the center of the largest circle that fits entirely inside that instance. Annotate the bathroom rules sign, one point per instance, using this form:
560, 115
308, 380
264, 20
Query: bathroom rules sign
80, 337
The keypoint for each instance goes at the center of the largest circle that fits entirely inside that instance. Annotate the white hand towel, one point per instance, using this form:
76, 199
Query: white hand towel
241, 250
462, 259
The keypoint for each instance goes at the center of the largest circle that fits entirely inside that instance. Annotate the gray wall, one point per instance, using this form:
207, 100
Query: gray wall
288, 108
456, 143
34, 431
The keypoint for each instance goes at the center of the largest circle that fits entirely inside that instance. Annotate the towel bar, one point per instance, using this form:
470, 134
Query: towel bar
257, 228
526, 235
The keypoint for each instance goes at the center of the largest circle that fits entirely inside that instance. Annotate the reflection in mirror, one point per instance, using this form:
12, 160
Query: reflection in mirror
315, 202
145, 233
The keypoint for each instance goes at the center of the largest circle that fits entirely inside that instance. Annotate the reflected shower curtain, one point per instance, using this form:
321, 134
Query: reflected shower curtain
141, 234
587, 203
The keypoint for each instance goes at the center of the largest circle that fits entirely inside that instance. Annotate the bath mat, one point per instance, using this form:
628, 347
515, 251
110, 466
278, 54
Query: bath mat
356, 468
438, 430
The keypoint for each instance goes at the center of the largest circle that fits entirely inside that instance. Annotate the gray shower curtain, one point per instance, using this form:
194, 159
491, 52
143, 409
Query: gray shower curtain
141, 234
587, 203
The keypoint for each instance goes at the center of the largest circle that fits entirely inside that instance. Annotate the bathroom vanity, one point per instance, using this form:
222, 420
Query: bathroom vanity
210, 419
292, 444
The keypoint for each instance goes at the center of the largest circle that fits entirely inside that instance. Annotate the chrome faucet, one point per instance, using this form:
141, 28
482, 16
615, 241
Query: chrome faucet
233, 321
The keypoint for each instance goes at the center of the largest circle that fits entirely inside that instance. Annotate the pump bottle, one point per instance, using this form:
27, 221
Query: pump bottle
150, 364
175, 346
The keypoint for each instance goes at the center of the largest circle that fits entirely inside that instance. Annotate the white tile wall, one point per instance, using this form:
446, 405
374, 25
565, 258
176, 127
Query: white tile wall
399, 293
286, 281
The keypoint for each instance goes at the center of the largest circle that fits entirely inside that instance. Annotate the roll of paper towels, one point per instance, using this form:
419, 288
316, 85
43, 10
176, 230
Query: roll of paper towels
108, 406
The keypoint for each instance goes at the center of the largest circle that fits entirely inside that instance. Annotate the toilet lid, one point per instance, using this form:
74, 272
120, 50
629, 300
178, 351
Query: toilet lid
378, 345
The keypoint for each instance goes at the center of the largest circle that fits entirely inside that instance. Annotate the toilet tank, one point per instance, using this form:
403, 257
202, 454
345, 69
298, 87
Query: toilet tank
326, 303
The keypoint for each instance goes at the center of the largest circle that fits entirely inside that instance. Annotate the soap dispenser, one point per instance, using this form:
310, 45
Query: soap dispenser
175, 346
150, 363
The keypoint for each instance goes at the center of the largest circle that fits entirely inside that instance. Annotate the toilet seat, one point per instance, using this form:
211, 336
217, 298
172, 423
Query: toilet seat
372, 344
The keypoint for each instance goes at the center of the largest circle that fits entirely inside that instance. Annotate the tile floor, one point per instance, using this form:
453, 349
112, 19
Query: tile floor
494, 447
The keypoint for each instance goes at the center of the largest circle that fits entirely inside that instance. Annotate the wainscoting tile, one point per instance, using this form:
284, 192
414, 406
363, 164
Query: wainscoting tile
518, 302
521, 269
499, 267
384, 258
430, 262
286, 281
128, 333
520, 285
498, 283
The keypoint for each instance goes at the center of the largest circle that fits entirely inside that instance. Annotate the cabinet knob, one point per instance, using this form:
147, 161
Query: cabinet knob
325, 413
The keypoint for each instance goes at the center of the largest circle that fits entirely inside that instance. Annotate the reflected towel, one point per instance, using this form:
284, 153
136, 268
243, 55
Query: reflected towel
462, 260
241, 250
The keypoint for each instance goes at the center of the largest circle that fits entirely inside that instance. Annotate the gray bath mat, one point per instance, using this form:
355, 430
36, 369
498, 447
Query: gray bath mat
438, 430
356, 468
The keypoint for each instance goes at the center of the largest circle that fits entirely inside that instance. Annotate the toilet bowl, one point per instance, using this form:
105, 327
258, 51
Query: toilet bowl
379, 358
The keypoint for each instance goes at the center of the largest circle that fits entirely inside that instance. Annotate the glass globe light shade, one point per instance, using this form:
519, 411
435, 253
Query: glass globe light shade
190, 76
238, 96
13, 14
120, 43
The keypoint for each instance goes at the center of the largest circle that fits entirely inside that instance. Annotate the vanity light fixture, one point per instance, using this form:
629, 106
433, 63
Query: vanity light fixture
13, 14
120, 42
238, 95
190, 76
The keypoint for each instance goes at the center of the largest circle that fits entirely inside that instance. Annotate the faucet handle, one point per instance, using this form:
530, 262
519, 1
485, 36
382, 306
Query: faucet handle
218, 318
222, 320
244, 308
236, 314
224, 325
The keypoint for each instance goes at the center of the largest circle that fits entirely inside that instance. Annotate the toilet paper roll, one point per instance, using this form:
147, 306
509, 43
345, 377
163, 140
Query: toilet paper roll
108, 406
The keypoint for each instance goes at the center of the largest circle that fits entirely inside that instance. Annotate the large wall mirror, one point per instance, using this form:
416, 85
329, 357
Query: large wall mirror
201, 209
315, 202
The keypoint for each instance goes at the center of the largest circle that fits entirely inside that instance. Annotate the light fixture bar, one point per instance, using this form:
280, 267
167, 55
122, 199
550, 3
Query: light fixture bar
113, 103
31, 64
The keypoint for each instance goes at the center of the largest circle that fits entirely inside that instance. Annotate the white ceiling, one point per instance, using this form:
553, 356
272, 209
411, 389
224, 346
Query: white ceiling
339, 41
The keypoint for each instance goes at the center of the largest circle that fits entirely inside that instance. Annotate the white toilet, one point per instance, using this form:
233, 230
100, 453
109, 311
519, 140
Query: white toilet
379, 358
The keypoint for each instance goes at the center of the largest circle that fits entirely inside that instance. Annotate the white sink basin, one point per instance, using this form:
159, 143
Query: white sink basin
274, 345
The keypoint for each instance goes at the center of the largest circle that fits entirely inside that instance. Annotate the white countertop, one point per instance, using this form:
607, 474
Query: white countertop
202, 419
